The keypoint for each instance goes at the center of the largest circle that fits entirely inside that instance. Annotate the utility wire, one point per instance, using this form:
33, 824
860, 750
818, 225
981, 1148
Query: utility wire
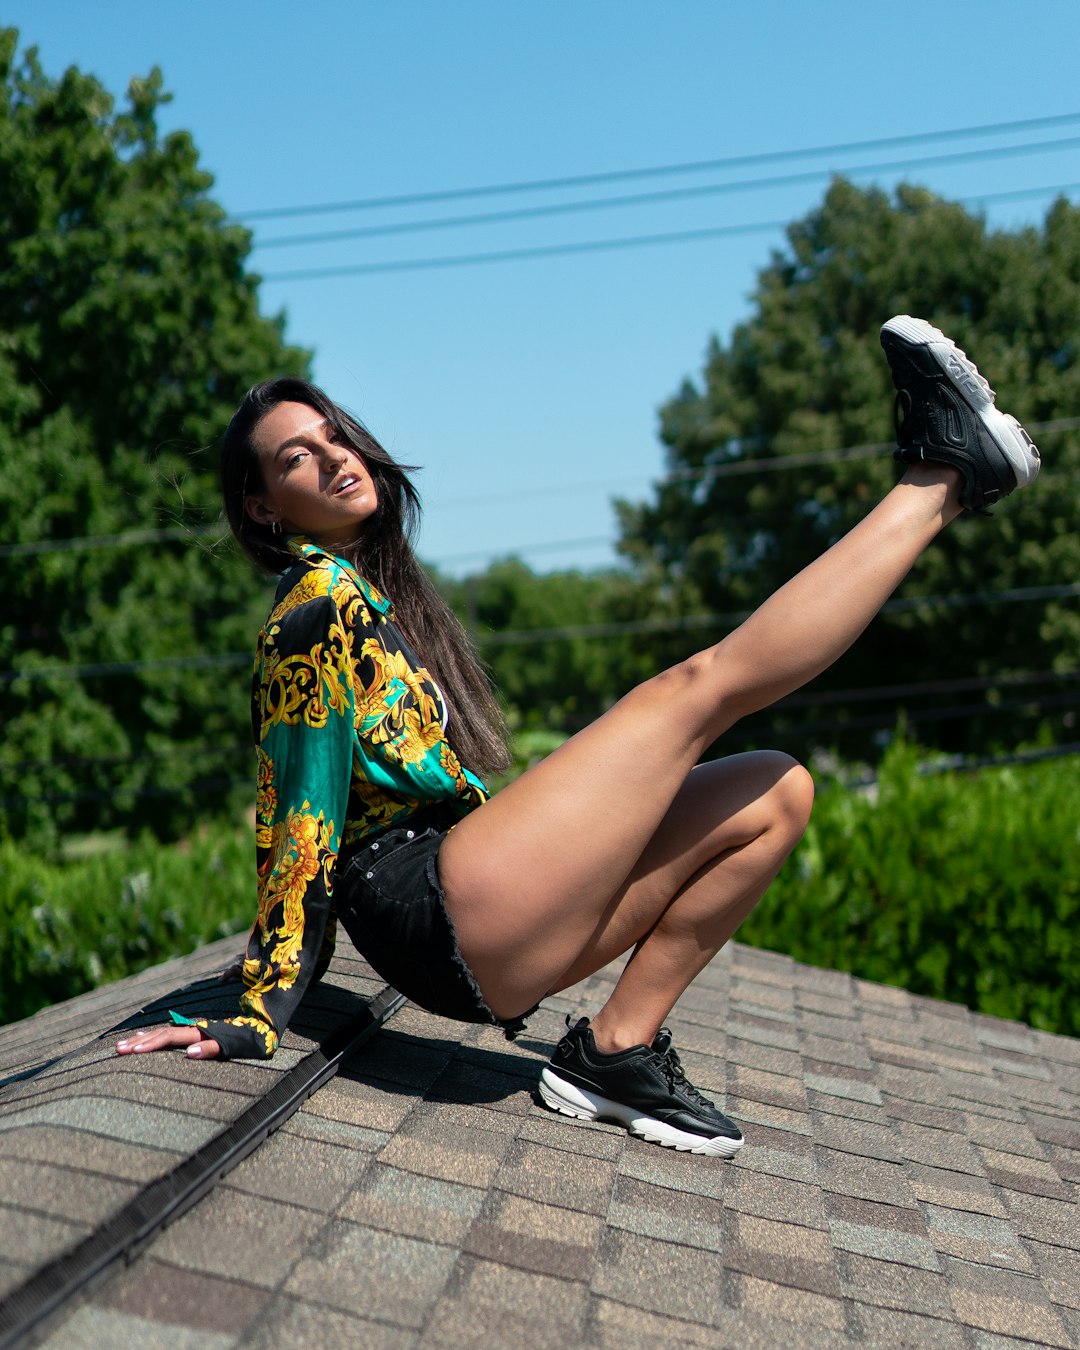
569, 632
112, 668
744, 734
128, 539
738, 735
805, 698
665, 195
656, 171
1017, 595
525, 253
728, 469
205, 750
522, 254
960, 685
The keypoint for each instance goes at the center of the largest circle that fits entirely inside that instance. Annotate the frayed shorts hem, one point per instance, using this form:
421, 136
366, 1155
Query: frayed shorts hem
390, 902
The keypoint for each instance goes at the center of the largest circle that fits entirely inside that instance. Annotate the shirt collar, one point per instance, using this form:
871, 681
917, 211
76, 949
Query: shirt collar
315, 553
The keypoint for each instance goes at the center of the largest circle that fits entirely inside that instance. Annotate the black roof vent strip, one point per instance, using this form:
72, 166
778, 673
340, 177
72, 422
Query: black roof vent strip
27, 1308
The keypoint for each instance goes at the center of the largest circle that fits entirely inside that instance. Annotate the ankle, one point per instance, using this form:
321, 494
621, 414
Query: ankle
942, 481
611, 1036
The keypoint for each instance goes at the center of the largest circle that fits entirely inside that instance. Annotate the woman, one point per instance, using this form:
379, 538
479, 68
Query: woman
365, 714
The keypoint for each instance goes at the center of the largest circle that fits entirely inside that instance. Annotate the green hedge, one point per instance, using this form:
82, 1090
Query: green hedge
963, 886
960, 886
71, 926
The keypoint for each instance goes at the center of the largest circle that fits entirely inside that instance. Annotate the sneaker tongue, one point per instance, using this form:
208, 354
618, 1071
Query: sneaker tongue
662, 1044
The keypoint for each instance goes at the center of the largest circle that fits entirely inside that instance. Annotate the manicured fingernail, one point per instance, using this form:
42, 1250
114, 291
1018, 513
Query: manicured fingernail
121, 1045
195, 1052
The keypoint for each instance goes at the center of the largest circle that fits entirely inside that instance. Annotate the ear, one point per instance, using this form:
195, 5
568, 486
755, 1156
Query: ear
259, 512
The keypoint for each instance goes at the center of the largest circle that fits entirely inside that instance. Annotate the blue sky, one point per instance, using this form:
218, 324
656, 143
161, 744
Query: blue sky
528, 388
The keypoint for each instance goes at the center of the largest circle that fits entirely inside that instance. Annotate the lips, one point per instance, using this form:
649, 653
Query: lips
349, 481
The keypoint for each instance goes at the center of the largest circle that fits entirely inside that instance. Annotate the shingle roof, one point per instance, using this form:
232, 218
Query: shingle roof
910, 1177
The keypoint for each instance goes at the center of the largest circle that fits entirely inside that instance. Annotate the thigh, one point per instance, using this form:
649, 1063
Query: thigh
528, 923
564, 836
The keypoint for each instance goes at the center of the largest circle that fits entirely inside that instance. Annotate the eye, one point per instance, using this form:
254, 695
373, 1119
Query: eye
294, 459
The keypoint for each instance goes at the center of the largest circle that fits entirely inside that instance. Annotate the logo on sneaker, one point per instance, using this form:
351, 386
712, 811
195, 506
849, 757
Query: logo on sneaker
961, 376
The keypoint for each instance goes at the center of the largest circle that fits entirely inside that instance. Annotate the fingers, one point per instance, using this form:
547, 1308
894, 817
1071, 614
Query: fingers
150, 1039
207, 1048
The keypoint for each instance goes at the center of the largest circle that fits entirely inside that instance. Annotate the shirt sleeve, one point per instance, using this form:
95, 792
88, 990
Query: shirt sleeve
403, 761
305, 709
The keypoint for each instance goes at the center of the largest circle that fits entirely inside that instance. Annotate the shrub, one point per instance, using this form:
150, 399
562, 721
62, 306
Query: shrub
74, 925
961, 886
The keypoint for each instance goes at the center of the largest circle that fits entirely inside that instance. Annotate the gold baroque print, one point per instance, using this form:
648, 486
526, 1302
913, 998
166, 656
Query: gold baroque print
300, 849
390, 666
266, 794
451, 766
408, 740
350, 603
307, 687
312, 586
370, 807
260, 1026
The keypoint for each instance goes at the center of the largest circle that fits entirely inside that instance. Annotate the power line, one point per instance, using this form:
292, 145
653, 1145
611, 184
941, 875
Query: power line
960, 685
628, 628
107, 669
747, 732
737, 735
751, 732
128, 539
968, 763
191, 752
218, 533
526, 253
564, 633
666, 195
522, 254
655, 171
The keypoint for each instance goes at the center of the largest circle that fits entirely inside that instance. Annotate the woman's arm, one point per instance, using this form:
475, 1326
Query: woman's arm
304, 710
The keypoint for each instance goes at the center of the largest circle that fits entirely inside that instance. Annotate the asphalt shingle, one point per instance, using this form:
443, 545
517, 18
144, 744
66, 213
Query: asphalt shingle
910, 1178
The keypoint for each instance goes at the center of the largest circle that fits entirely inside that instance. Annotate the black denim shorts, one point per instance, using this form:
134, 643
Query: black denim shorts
391, 904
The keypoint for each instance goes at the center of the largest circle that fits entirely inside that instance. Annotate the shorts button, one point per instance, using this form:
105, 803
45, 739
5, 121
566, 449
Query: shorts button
374, 847
409, 834
370, 875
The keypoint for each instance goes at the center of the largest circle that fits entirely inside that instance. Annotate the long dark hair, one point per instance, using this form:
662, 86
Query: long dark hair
382, 553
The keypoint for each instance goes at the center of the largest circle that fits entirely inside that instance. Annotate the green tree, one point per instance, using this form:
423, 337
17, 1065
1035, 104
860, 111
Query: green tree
561, 646
740, 510
129, 328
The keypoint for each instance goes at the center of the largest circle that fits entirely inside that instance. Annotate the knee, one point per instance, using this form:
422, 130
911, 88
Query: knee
792, 797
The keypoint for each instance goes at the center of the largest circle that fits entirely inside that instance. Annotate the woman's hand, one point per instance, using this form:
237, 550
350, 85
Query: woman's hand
170, 1038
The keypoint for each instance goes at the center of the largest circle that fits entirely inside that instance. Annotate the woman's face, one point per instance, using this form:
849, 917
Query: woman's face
314, 484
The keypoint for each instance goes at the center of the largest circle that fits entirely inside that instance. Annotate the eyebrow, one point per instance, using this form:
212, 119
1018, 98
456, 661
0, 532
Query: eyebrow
302, 437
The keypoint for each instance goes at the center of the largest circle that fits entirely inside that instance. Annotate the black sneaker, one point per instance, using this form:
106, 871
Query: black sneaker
945, 412
643, 1088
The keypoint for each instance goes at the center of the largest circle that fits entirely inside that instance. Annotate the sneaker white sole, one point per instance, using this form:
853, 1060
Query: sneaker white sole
571, 1100
1009, 436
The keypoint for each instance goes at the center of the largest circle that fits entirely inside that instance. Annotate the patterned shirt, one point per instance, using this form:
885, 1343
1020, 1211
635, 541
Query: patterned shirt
349, 734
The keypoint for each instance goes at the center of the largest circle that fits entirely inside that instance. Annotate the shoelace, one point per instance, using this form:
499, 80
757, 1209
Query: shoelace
677, 1074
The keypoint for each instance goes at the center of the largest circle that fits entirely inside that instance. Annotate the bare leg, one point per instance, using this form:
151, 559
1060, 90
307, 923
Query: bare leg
539, 879
726, 835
